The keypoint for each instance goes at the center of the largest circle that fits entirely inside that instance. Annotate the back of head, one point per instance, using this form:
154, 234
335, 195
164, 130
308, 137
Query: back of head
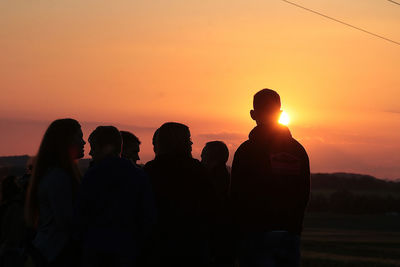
54, 151
174, 139
266, 105
129, 138
106, 136
266, 99
215, 153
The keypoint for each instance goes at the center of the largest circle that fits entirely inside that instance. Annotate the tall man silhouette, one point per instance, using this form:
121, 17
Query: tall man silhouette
270, 189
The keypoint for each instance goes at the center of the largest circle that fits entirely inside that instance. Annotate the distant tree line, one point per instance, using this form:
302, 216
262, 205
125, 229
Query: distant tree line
353, 182
353, 194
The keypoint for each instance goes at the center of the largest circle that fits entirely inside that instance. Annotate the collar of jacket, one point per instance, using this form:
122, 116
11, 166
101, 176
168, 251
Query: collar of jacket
264, 133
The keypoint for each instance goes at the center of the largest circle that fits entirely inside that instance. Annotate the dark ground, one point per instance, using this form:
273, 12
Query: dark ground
351, 240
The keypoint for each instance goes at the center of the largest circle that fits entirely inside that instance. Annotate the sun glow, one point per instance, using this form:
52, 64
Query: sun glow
284, 118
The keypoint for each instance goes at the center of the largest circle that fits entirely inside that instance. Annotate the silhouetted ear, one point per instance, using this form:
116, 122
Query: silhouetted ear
252, 114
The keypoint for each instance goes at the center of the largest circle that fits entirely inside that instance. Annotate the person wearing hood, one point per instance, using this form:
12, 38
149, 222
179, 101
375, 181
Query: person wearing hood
270, 189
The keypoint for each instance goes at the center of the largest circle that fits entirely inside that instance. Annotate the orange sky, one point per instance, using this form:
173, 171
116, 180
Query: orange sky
137, 64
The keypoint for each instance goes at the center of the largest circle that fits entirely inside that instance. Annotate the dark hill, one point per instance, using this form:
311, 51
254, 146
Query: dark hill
352, 182
14, 161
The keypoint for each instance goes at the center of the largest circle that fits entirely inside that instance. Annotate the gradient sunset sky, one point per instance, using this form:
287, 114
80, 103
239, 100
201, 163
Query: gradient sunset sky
137, 64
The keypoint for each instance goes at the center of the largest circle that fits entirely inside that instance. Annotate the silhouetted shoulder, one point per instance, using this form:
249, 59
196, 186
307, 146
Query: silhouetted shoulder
161, 160
92, 170
245, 153
195, 162
300, 146
299, 149
195, 166
149, 165
243, 147
113, 167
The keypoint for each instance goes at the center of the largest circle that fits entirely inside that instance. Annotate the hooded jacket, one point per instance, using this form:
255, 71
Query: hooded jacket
270, 182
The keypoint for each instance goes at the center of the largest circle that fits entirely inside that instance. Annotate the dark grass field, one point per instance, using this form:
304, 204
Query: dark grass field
351, 240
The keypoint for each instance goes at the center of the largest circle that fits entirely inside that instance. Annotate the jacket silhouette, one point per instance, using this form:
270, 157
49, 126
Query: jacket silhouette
270, 182
115, 210
185, 210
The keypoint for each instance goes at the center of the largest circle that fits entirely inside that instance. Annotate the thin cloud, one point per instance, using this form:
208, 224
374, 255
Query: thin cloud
394, 111
222, 136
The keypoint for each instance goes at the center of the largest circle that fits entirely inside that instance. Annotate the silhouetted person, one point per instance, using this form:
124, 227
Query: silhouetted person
115, 209
52, 191
270, 188
9, 191
183, 197
130, 147
14, 233
214, 156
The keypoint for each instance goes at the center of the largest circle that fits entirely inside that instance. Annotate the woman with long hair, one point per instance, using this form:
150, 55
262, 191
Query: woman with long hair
52, 189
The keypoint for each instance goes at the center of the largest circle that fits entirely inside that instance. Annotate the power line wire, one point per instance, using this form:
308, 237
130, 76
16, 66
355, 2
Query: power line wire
394, 2
344, 23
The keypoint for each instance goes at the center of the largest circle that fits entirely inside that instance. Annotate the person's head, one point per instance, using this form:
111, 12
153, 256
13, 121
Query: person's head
266, 107
130, 146
174, 139
105, 141
62, 142
62, 145
214, 153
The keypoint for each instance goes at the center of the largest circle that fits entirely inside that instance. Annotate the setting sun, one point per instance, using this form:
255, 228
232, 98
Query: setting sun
284, 119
